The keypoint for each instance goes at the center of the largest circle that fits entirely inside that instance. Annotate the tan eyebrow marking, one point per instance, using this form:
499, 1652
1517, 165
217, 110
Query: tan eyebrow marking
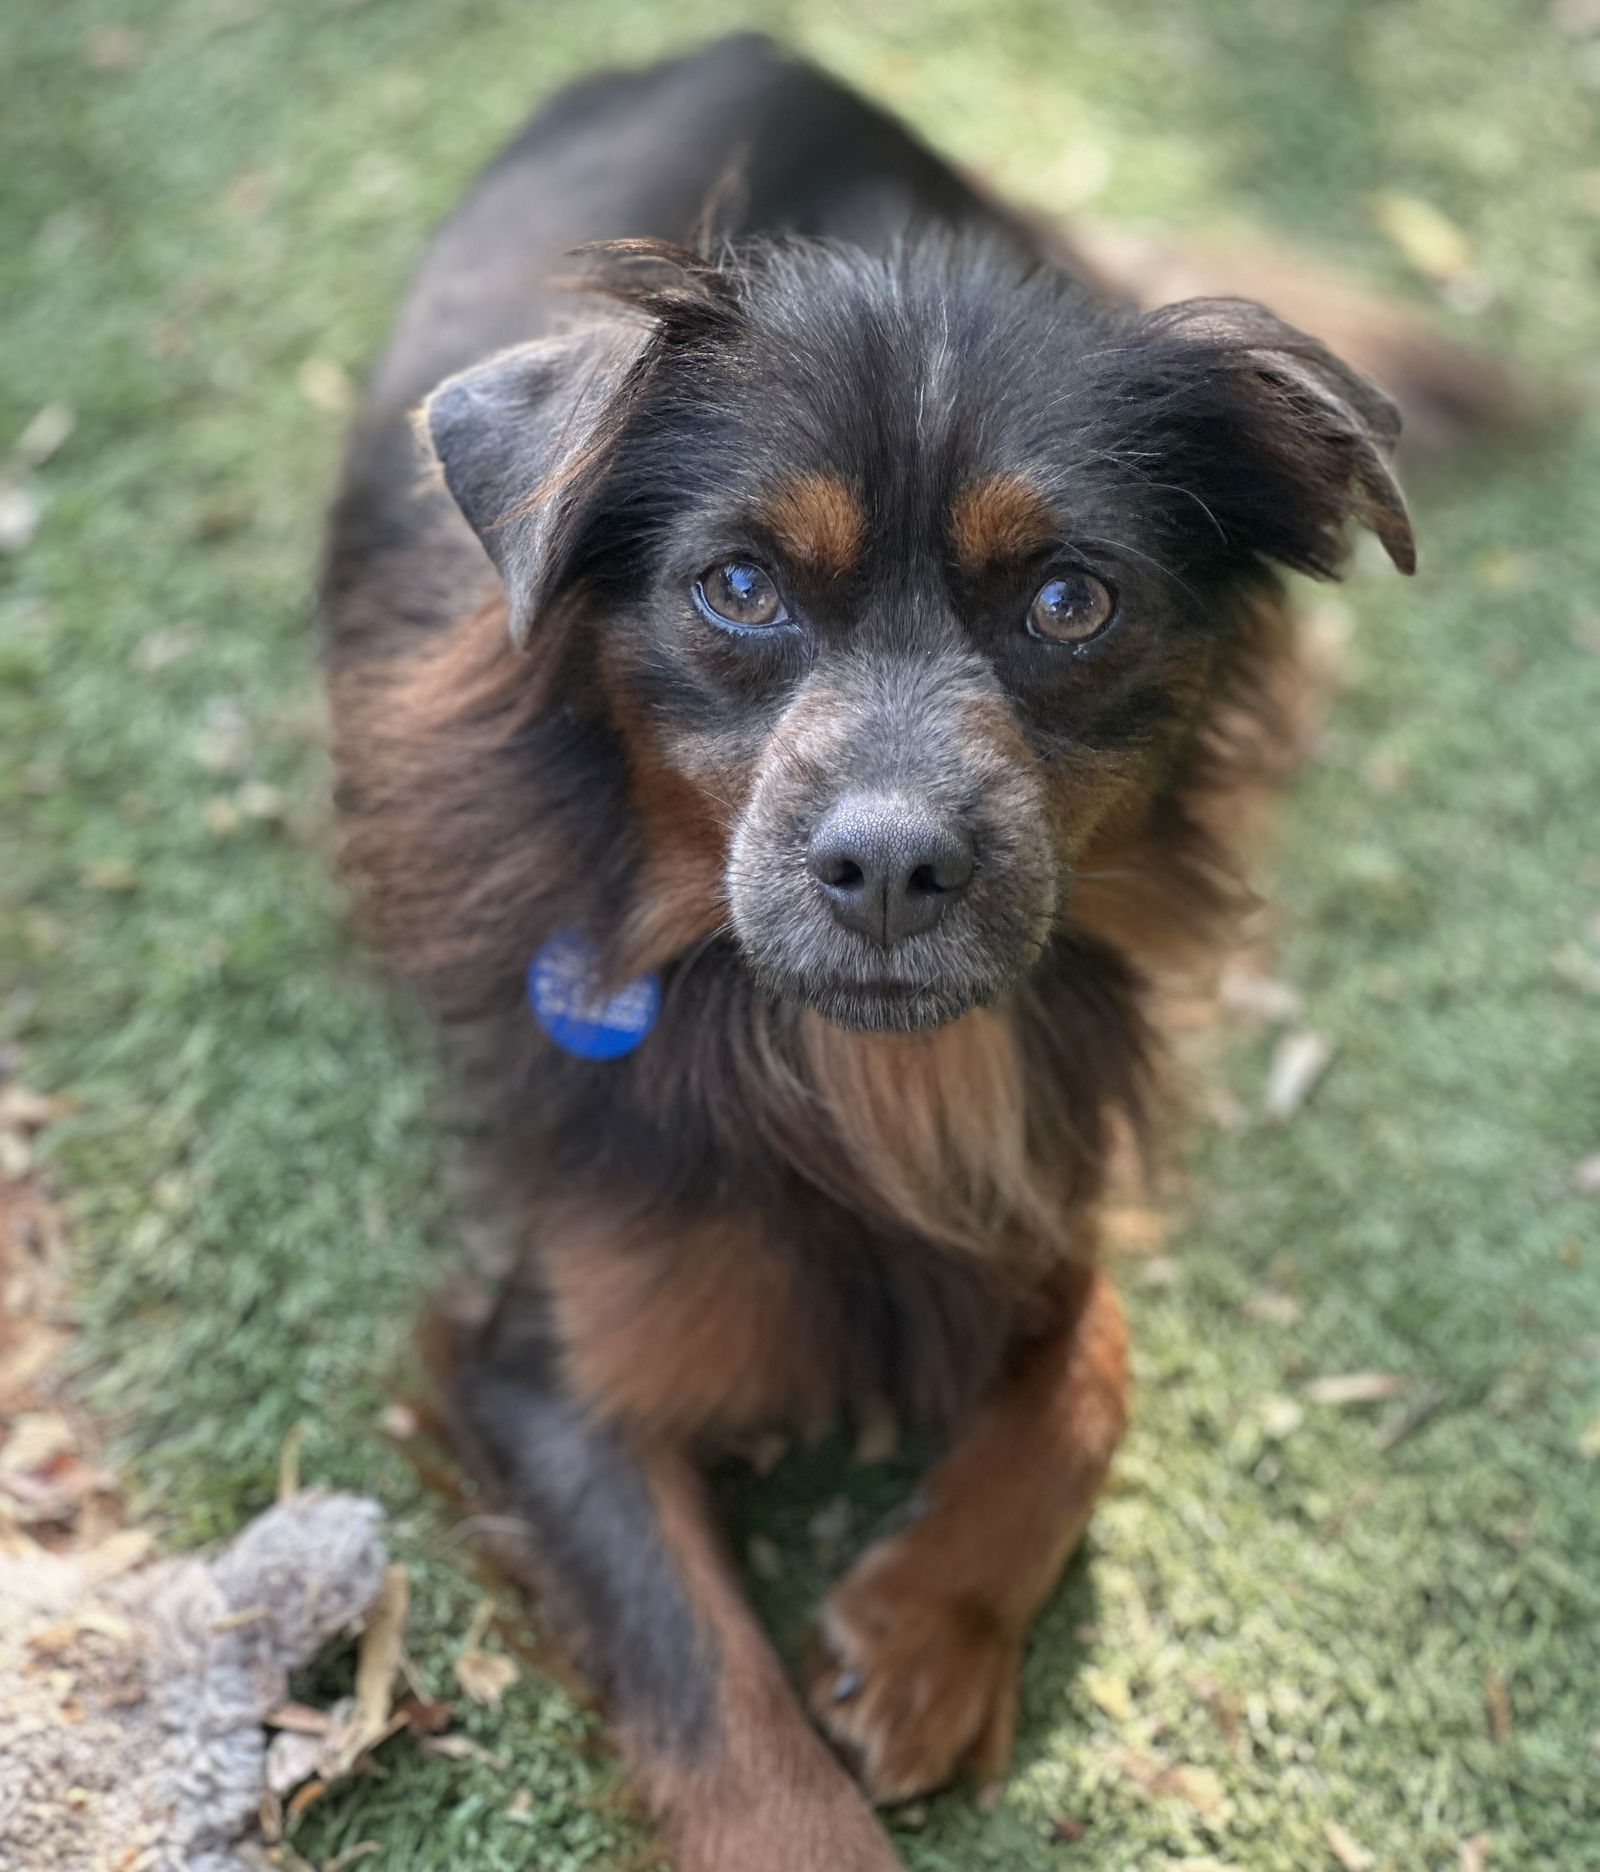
1001, 517
818, 521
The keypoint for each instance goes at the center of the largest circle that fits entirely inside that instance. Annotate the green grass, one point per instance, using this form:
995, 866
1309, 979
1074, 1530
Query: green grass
254, 1172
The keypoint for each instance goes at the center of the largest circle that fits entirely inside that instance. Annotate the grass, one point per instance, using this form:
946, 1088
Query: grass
208, 209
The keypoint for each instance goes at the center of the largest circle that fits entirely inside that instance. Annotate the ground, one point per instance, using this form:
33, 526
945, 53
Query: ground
1305, 1633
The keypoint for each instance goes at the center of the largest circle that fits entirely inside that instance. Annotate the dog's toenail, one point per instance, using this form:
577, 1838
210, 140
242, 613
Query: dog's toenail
846, 1685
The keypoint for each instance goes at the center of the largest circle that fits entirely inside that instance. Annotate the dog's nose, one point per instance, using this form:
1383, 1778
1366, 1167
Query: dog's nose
888, 867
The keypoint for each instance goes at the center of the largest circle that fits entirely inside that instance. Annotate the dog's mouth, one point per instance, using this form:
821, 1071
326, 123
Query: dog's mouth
905, 1001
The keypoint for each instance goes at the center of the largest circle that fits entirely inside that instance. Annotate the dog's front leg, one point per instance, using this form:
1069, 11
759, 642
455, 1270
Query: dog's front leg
920, 1645
733, 1771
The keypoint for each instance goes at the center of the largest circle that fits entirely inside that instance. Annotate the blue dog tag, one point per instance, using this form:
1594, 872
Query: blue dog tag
569, 1005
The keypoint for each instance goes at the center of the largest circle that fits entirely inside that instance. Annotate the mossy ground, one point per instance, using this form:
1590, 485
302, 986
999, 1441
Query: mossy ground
207, 210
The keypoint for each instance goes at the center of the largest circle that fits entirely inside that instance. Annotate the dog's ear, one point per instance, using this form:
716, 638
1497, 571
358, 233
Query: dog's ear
523, 439
1290, 443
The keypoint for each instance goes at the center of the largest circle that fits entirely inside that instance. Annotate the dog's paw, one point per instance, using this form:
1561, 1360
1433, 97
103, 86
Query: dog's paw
914, 1677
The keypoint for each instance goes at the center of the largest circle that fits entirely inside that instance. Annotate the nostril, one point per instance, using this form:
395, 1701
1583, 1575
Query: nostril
842, 874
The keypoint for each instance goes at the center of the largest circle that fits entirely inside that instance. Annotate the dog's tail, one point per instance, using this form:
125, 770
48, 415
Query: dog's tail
1451, 394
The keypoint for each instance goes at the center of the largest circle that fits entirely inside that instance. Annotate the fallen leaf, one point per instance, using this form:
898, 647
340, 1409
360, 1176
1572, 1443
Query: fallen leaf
1426, 236
1353, 1856
326, 386
1496, 1707
1242, 991
1200, 1787
300, 1717
110, 874
118, 1553
1412, 1417
289, 1459
1474, 1854
37, 1438
292, 1757
1299, 1060
462, 1748
766, 1561
1281, 1417
1586, 1178
1110, 1692
44, 434
350, 1855
425, 1715
1577, 19
113, 49
377, 1666
1362, 1387
20, 514
1273, 1308
485, 1676
1067, 1830
1589, 1441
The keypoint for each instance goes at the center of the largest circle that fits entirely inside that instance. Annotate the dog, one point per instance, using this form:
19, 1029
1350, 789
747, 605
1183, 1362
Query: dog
787, 691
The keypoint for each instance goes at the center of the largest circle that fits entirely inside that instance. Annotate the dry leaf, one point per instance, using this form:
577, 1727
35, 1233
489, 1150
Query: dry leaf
326, 386
1362, 1387
45, 433
1110, 1691
301, 1718
1586, 1178
1200, 1787
485, 1676
1281, 1417
1474, 1854
377, 1666
1273, 1308
462, 1748
289, 1460
1242, 991
37, 1438
20, 514
766, 1562
292, 1757
1589, 1441
1496, 1707
1299, 1060
1350, 1853
113, 49
110, 874
1428, 238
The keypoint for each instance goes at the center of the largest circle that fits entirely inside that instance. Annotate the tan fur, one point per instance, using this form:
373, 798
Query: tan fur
934, 1130
818, 522
684, 1327
999, 518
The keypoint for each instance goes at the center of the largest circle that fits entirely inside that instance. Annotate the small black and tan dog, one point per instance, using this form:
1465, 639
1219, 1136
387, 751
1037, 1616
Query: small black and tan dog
775, 743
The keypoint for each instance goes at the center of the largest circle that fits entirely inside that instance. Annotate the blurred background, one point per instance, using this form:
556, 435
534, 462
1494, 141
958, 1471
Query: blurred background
1342, 1606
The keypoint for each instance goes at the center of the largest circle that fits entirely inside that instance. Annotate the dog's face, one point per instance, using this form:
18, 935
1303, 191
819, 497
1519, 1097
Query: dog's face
920, 571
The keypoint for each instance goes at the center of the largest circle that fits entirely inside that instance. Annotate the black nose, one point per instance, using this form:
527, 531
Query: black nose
887, 866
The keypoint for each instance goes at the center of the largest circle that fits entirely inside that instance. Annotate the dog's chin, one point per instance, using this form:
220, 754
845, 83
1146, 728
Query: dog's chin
865, 1006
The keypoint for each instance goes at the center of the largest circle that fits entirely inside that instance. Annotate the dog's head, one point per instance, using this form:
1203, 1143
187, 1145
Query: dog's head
917, 572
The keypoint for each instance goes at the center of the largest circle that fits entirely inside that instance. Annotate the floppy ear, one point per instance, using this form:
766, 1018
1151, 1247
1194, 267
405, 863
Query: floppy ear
522, 440
1292, 442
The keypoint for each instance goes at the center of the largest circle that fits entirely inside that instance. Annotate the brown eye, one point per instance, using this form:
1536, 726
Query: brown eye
740, 595
1071, 609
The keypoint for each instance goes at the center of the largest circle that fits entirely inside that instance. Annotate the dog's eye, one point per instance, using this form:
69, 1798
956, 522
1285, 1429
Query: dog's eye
740, 594
1071, 609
